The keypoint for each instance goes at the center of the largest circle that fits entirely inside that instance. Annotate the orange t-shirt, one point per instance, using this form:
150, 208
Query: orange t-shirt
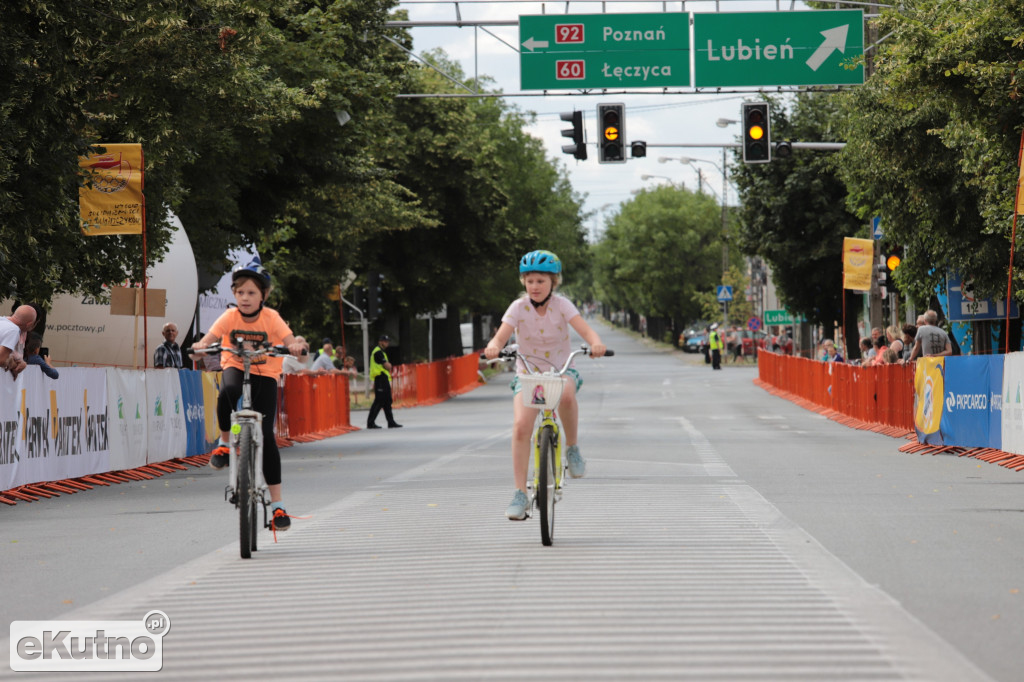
268, 327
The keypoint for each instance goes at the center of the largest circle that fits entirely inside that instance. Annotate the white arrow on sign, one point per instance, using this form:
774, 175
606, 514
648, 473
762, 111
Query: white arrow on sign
531, 43
835, 39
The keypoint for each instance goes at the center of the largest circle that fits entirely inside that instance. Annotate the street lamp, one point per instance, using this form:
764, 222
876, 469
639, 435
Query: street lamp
725, 122
645, 176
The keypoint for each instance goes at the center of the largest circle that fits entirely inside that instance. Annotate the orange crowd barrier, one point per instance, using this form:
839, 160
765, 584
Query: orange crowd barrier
314, 407
431, 382
879, 397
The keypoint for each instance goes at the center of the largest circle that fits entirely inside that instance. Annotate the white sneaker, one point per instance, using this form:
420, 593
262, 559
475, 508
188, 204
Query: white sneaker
577, 465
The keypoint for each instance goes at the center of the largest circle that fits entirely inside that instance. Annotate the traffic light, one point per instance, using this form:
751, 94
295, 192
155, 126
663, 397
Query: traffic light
374, 294
638, 149
783, 149
757, 139
882, 277
892, 263
578, 149
611, 144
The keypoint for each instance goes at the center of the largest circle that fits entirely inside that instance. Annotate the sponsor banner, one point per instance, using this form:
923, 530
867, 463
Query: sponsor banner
858, 261
192, 399
1013, 404
51, 430
211, 389
929, 386
165, 412
126, 416
972, 402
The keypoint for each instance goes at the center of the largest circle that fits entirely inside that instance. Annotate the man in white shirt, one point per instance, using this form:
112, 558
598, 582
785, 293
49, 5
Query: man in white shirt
13, 330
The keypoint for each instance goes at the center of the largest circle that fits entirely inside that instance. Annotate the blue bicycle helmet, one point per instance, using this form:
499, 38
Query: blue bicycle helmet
540, 261
255, 270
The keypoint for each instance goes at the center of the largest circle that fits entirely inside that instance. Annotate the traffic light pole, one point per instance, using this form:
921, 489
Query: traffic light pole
364, 323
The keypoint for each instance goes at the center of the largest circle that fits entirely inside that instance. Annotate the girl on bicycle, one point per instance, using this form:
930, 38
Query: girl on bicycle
541, 320
256, 323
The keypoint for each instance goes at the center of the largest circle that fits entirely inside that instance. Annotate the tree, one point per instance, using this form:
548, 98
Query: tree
659, 253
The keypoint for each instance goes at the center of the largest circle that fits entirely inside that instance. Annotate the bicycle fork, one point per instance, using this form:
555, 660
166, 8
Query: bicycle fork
259, 485
548, 419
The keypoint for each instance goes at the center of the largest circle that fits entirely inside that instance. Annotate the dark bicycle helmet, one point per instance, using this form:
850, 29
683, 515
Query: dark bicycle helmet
255, 270
540, 261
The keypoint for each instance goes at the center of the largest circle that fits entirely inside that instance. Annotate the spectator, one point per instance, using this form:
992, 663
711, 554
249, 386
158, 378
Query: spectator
931, 340
294, 365
324, 362
735, 343
349, 367
865, 351
880, 349
168, 354
13, 330
892, 335
829, 352
33, 344
909, 334
889, 357
327, 349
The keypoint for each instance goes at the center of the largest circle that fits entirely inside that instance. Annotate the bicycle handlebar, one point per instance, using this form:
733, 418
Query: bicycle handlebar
509, 353
264, 349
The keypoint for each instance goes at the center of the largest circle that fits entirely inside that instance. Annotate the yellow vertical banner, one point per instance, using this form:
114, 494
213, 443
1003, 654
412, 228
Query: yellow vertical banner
858, 257
113, 203
1020, 190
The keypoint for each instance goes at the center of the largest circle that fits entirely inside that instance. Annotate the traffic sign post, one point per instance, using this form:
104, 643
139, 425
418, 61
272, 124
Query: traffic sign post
821, 47
604, 51
778, 317
724, 293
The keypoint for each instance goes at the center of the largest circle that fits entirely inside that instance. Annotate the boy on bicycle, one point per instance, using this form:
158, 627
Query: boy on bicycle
541, 320
255, 323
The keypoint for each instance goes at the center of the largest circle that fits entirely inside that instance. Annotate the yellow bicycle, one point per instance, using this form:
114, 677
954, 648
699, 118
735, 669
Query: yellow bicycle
542, 390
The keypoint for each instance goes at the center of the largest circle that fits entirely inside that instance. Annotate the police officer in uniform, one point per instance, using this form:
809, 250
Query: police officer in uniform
380, 375
716, 345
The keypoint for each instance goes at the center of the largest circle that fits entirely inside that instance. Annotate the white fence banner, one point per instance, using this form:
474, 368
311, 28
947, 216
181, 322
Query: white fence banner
126, 418
168, 435
1013, 404
53, 430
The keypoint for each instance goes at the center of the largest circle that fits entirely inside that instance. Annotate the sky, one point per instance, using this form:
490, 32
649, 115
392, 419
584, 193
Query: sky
684, 117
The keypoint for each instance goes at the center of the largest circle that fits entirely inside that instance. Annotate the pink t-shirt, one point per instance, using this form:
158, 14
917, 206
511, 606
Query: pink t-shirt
544, 339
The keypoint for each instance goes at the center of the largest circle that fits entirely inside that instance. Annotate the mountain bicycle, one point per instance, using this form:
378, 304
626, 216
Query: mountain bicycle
542, 390
246, 487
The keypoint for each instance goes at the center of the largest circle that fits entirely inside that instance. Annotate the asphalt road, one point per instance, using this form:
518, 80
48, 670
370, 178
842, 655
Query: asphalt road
721, 533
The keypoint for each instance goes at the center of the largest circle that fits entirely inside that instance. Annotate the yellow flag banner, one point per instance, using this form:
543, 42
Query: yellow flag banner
858, 257
114, 203
1020, 190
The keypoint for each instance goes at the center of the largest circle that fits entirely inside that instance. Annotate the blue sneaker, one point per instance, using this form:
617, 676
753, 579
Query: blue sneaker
517, 509
577, 465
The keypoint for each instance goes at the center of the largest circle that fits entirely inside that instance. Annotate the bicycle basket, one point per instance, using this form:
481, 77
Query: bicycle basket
541, 390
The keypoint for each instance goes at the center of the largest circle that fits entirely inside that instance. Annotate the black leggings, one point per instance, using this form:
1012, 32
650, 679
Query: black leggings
264, 401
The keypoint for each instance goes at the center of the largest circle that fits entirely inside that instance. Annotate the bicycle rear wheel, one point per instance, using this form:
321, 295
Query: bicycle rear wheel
546, 485
245, 492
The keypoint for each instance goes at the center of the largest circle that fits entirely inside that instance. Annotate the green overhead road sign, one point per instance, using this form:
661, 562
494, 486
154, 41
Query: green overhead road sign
772, 317
585, 51
816, 47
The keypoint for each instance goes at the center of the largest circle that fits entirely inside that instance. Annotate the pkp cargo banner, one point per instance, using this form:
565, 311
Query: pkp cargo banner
167, 438
972, 406
126, 417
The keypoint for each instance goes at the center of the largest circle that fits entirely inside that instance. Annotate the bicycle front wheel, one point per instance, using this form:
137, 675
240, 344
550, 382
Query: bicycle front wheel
546, 485
245, 492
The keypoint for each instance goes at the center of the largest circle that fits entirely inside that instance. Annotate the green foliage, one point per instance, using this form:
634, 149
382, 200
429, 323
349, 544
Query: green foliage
660, 252
933, 138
